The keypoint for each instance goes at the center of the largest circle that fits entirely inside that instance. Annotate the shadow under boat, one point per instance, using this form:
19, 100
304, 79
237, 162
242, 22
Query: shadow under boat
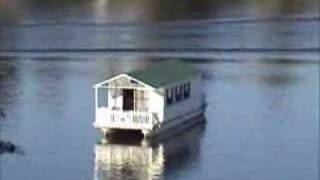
130, 156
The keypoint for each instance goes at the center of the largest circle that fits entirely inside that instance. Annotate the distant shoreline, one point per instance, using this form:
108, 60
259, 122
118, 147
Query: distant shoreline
175, 23
72, 50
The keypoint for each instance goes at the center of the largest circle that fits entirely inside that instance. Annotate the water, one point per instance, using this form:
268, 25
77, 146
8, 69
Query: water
78, 29
262, 123
261, 81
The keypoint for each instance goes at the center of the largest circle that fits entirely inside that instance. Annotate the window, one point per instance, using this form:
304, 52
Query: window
186, 90
141, 100
169, 96
102, 98
178, 93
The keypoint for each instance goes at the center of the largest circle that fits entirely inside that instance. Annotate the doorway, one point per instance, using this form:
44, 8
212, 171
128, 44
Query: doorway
128, 96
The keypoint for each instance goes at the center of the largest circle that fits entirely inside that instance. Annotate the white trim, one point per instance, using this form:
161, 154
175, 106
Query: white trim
135, 79
123, 87
108, 80
194, 78
123, 119
96, 97
119, 76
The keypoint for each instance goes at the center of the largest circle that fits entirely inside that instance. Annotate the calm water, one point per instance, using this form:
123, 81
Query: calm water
262, 123
263, 113
199, 30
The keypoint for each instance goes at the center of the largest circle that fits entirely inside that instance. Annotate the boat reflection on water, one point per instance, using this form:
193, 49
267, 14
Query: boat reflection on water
130, 156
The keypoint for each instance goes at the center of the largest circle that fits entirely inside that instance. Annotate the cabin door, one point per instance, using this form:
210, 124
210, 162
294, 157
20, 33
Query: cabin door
128, 96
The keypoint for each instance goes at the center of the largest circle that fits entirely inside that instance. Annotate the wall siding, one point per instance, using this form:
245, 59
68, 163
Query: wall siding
156, 104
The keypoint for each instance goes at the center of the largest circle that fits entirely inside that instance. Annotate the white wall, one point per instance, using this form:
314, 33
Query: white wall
194, 102
156, 103
115, 102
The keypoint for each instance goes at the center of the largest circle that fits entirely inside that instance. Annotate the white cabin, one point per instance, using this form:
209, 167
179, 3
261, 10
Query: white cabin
151, 100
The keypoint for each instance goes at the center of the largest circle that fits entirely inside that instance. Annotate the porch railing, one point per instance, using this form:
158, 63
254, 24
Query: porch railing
106, 118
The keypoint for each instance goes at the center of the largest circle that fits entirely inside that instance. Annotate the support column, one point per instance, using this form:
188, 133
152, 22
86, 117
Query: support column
105, 132
145, 133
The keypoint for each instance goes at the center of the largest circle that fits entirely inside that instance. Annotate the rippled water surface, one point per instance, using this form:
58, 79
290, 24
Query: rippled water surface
261, 77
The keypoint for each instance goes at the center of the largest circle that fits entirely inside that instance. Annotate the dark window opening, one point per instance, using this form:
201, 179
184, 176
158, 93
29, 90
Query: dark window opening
128, 96
169, 96
133, 82
178, 93
186, 90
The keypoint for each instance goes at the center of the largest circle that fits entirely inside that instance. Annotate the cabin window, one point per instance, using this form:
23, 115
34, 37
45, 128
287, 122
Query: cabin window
169, 96
186, 90
178, 93
141, 100
102, 98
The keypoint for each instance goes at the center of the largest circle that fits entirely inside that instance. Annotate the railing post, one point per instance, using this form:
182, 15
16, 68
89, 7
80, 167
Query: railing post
135, 120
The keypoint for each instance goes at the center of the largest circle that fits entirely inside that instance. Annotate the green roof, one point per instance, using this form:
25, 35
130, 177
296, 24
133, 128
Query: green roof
165, 73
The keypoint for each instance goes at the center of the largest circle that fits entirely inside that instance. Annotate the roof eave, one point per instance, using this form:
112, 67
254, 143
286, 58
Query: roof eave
126, 75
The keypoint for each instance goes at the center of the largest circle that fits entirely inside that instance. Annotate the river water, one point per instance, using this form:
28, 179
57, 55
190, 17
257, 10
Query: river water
261, 79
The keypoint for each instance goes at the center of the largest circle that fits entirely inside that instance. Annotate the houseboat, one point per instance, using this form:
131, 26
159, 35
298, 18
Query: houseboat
155, 99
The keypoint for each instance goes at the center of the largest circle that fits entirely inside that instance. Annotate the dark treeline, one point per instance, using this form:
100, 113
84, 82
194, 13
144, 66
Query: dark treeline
168, 9
164, 9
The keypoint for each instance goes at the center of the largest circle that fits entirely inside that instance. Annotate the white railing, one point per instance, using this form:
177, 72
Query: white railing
106, 118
